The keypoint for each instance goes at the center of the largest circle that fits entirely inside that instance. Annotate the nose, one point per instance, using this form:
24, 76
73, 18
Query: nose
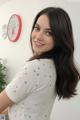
39, 35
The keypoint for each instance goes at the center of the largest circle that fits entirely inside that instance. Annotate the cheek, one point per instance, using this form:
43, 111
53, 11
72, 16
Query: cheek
51, 44
33, 37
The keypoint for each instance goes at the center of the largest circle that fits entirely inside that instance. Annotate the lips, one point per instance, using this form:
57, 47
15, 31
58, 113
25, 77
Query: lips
38, 44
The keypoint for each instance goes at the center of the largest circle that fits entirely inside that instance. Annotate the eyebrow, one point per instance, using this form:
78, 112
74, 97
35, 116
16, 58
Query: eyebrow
48, 29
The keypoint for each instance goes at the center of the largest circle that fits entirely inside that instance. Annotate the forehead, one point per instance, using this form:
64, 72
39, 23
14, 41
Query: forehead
43, 20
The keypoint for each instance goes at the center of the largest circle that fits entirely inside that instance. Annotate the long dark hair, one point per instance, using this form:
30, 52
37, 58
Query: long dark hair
62, 53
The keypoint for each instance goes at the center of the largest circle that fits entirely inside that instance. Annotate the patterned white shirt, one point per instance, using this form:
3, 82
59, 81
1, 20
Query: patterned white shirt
33, 91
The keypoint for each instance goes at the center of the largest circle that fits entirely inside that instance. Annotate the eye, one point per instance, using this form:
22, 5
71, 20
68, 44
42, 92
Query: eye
36, 28
48, 33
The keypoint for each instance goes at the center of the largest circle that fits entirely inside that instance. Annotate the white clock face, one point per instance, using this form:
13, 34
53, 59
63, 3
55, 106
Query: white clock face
14, 27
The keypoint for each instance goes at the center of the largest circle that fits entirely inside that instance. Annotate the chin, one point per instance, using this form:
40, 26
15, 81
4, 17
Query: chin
37, 53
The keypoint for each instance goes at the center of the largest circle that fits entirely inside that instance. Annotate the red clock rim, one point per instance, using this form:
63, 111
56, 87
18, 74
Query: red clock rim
19, 29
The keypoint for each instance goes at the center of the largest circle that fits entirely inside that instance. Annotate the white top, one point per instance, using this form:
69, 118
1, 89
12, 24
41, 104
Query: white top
33, 91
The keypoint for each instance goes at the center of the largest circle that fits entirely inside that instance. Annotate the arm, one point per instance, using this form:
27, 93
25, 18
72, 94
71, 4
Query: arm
8, 95
5, 102
5, 111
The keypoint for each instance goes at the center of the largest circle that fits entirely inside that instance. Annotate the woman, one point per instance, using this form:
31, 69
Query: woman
50, 72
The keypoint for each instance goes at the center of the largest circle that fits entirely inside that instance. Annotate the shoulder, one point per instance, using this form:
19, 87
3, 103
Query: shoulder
38, 62
44, 64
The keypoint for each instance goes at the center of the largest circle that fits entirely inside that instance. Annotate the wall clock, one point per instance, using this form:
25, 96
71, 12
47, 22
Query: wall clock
4, 31
14, 27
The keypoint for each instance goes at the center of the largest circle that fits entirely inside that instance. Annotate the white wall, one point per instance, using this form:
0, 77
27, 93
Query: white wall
17, 53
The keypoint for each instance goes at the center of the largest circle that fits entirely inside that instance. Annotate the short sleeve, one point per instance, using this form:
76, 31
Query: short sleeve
21, 86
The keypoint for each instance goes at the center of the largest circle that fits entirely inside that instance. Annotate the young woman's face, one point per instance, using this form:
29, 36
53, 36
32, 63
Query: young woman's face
42, 40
